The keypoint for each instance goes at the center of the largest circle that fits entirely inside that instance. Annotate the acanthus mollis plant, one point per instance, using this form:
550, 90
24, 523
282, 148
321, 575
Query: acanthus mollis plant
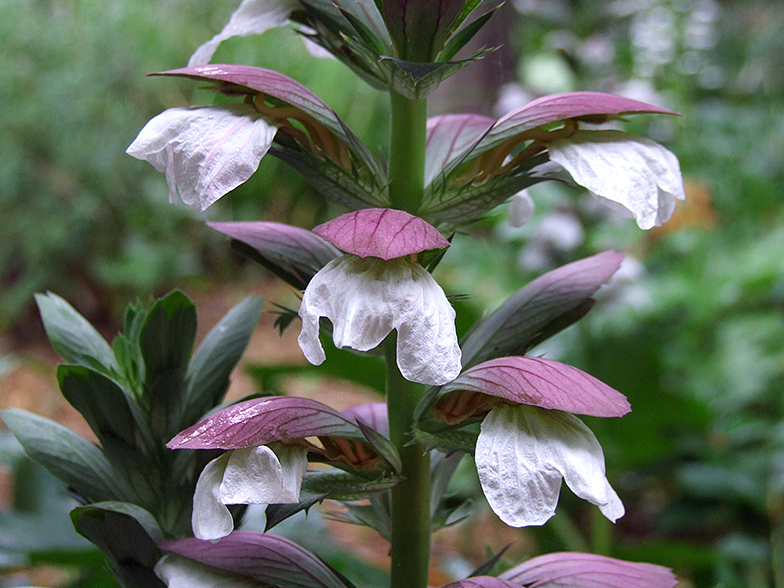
368, 285
135, 394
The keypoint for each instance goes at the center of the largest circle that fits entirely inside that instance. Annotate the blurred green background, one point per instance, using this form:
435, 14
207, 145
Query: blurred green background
692, 331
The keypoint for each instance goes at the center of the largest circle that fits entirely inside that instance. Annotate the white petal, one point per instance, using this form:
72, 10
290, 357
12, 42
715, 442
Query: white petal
637, 173
365, 298
522, 454
256, 475
253, 17
211, 519
204, 151
181, 572
521, 209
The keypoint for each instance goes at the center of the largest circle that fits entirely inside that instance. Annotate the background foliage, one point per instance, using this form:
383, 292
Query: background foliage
693, 332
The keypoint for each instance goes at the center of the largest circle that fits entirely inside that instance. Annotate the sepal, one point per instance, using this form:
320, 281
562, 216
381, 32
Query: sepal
291, 253
381, 232
271, 560
586, 570
261, 421
539, 310
535, 381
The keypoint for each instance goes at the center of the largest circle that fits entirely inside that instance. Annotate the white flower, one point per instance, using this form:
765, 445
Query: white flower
180, 572
521, 209
522, 454
204, 151
253, 17
637, 173
365, 298
253, 475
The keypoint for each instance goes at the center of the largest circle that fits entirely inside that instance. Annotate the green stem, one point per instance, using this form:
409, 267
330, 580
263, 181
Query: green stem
411, 497
407, 153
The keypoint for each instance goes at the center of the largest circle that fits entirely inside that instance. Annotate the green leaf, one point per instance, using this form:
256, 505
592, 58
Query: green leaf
123, 533
416, 80
340, 485
101, 401
463, 36
72, 336
168, 334
383, 446
332, 181
74, 460
208, 373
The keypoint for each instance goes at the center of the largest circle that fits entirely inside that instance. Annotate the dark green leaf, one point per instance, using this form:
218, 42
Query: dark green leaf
101, 401
416, 80
72, 336
217, 355
168, 335
332, 181
463, 36
65, 454
122, 532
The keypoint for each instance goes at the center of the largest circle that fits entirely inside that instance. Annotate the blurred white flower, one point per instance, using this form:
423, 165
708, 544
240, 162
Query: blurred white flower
521, 209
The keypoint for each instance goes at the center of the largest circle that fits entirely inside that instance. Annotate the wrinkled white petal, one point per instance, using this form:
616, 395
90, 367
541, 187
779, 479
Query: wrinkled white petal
637, 173
521, 209
256, 475
180, 572
522, 454
211, 519
365, 298
205, 152
253, 17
